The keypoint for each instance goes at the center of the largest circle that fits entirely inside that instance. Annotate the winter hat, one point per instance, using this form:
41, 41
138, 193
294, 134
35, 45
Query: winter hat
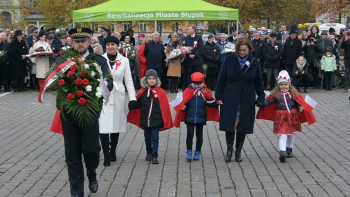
329, 49
18, 33
331, 30
142, 36
283, 76
331, 37
273, 35
324, 32
152, 73
197, 77
111, 39
210, 36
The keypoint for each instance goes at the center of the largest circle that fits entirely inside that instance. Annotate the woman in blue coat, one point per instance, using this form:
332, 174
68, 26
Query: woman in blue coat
239, 81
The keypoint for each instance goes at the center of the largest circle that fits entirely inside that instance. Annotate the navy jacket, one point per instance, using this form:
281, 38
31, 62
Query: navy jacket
102, 42
30, 40
258, 47
234, 90
196, 109
154, 53
197, 50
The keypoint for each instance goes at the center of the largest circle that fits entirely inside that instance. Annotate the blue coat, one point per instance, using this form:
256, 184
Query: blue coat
235, 91
221, 47
196, 110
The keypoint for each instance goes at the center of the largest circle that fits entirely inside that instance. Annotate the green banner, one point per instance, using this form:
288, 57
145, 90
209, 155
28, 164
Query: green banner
181, 10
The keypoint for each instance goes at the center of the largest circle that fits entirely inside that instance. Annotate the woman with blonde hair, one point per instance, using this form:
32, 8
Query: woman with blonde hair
174, 65
96, 46
301, 76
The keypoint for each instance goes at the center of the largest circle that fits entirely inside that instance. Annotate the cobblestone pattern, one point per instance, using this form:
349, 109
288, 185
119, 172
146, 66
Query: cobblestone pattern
32, 158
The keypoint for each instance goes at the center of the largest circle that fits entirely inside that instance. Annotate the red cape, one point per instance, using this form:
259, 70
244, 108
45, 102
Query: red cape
134, 116
56, 125
212, 112
268, 113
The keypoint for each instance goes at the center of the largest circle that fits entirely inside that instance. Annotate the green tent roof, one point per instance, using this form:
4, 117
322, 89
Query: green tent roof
155, 10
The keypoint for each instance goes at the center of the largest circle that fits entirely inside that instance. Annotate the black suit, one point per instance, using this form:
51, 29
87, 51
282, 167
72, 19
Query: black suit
195, 64
78, 141
4, 60
291, 51
19, 70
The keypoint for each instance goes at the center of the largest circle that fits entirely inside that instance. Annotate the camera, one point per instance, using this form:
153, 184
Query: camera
348, 34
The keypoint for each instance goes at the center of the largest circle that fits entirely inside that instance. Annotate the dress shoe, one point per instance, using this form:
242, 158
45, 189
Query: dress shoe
93, 186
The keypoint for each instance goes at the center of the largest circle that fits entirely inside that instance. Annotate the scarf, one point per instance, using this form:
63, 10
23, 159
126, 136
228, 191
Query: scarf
300, 66
172, 45
242, 60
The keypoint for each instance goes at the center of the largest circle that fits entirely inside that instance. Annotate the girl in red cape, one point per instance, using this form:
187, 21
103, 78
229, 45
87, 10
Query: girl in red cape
151, 112
285, 106
197, 107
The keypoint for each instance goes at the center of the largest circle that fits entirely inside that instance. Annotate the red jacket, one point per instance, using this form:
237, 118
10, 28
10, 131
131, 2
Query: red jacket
142, 59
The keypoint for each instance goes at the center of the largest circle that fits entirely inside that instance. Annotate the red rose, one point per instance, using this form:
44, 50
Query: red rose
39, 49
70, 74
73, 68
82, 101
61, 82
70, 96
83, 73
86, 82
80, 93
60, 53
84, 62
78, 82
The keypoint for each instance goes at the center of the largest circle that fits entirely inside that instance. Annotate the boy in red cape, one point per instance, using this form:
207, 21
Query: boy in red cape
197, 107
151, 112
288, 109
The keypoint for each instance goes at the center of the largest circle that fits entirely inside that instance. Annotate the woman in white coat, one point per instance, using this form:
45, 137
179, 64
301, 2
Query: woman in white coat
113, 116
42, 62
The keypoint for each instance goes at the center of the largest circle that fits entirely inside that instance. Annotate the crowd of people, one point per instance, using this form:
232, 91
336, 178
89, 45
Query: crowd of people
239, 68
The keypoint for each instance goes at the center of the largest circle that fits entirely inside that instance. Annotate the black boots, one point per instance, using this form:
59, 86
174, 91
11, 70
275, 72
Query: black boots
289, 152
283, 155
105, 147
173, 84
239, 145
113, 144
229, 152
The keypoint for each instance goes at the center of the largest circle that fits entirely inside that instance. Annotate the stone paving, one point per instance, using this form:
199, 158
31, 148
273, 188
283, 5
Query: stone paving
32, 158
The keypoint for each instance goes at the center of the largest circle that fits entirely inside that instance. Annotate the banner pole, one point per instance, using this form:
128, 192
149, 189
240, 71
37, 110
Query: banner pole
155, 26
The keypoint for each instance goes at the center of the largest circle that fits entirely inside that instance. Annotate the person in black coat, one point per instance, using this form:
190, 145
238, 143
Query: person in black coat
154, 53
193, 61
211, 55
4, 61
345, 45
272, 54
301, 76
258, 53
82, 140
311, 56
18, 50
291, 51
239, 81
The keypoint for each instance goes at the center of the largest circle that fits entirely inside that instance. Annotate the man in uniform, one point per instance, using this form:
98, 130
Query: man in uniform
78, 140
63, 43
102, 37
193, 61
30, 38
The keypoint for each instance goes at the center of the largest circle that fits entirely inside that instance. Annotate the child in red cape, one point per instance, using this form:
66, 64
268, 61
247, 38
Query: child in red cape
151, 112
197, 107
285, 106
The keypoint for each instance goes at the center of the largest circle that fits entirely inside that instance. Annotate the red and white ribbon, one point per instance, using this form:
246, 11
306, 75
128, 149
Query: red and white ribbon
285, 100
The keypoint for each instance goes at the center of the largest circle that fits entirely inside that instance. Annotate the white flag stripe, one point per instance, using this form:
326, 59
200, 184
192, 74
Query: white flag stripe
310, 101
176, 102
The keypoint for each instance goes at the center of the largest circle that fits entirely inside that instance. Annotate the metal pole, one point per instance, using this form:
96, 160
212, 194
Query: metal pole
228, 28
237, 26
73, 25
155, 26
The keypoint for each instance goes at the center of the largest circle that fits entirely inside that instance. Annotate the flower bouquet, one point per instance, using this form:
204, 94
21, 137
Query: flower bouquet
127, 50
185, 50
174, 54
40, 52
79, 86
2, 53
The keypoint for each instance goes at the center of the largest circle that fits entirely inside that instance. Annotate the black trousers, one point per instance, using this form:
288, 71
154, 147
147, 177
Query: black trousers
78, 141
315, 72
109, 141
173, 82
190, 70
211, 78
327, 80
18, 83
4, 81
190, 135
304, 82
230, 139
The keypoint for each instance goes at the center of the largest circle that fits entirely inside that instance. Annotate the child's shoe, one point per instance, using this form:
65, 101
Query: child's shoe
155, 160
197, 155
283, 156
289, 153
189, 155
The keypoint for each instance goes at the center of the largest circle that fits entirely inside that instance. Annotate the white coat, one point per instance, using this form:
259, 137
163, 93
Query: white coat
113, 115
42, 62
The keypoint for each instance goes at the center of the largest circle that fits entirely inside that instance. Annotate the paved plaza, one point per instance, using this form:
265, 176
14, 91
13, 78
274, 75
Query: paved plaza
32, 160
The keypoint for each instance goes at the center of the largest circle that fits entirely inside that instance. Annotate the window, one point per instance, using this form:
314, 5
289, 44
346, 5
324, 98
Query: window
5, 19
143, 27
126, 26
